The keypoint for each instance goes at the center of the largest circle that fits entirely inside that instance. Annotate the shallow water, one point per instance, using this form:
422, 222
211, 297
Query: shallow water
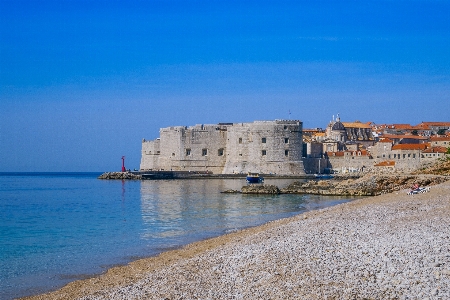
59, 227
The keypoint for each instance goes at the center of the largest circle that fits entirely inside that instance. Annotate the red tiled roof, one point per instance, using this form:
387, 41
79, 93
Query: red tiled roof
434, 124
402, 126
409, 147
386, 163
356, 125
385, 140
435, 150
422, 127
339, 153
404, 136
320, 134
440, 138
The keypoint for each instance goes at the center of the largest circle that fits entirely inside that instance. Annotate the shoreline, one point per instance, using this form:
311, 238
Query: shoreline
214, 270
183, 175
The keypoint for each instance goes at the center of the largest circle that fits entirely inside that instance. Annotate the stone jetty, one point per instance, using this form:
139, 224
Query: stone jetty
392, 246
120, 175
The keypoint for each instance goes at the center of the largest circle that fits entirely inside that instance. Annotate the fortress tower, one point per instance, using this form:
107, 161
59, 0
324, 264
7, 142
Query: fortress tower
226, 148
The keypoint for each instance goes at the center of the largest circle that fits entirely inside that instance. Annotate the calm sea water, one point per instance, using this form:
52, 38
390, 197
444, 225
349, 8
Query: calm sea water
60, 227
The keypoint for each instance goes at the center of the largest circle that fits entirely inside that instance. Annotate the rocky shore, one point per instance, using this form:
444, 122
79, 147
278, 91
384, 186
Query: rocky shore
367, 185
392, 246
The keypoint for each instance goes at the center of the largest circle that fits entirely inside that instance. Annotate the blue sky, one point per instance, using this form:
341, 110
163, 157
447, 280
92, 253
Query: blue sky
83, 82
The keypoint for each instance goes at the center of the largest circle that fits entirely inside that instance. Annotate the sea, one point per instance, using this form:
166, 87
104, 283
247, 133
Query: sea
59, 227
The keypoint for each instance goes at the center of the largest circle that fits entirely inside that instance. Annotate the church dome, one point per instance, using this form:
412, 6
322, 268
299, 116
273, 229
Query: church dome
338, 126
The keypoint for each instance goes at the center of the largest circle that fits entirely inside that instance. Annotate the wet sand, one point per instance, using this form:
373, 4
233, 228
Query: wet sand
382, 247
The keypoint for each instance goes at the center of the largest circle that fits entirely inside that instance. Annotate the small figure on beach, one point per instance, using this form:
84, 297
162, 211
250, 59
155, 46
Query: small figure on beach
415, 187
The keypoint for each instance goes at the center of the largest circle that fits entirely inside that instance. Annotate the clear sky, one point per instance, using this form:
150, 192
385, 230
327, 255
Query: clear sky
83, 82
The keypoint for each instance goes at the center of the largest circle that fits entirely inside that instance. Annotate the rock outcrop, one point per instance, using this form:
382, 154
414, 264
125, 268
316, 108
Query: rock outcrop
260, 189
119, 175
231, 192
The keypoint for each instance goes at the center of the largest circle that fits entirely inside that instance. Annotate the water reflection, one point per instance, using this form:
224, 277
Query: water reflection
179, 211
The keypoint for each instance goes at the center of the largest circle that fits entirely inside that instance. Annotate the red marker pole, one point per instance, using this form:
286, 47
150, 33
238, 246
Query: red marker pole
123, 164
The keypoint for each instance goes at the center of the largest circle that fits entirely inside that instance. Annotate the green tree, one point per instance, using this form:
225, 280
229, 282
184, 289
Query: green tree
415, 132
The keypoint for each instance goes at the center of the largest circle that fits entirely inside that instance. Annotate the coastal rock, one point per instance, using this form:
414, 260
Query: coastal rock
119, 175
260, 189
231, 192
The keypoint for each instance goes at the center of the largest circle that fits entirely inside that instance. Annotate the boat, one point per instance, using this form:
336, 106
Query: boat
254, 178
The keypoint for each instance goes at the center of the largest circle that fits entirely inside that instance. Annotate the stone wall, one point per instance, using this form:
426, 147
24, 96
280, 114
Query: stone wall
316, 165
265, 147
150, 154
314, 149
196, 148
262, 146
350, 163
363, 163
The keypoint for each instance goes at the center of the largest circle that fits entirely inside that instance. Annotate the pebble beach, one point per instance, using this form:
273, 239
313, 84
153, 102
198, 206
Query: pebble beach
392, 246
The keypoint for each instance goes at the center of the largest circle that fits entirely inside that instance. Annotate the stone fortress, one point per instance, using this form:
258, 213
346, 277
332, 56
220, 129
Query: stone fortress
284, 147
268, 147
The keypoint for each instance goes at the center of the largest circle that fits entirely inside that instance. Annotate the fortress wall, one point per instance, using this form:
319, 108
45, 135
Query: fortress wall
262, 146
203, 149
415, 161
401, 164
196, 148
315, 165
150, 154
314, 150
265, 147
409, 164
350, 162
171, 147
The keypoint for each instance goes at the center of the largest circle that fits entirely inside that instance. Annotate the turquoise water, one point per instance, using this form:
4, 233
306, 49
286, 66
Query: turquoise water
60, 227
